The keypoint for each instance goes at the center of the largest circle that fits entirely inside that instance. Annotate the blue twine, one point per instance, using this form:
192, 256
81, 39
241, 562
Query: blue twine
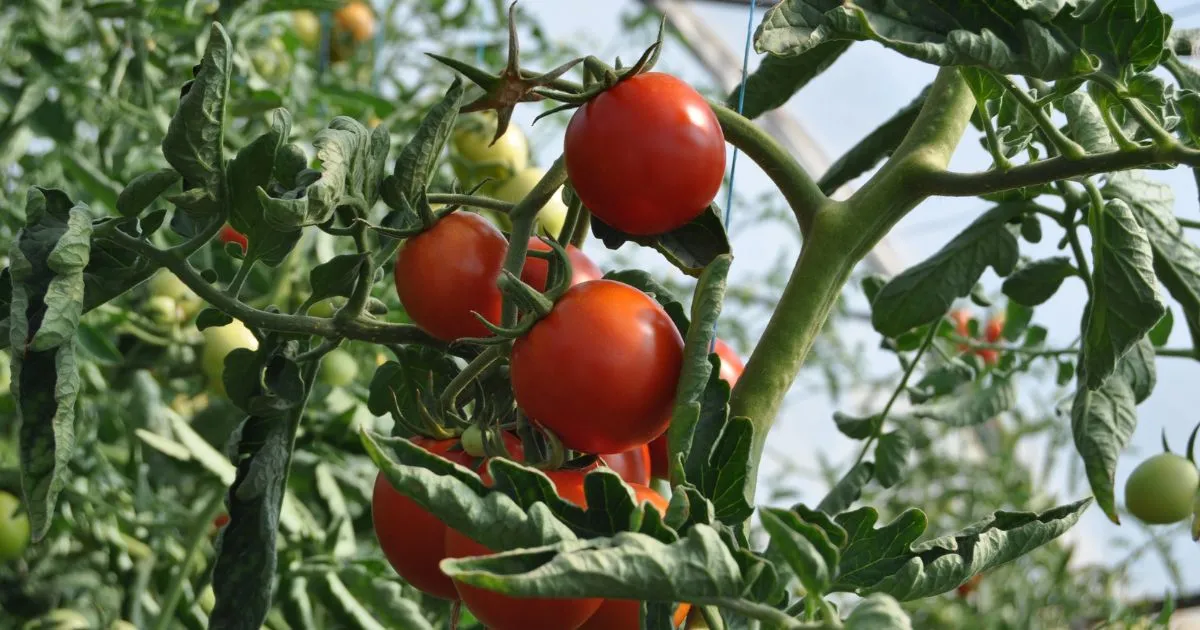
740, 107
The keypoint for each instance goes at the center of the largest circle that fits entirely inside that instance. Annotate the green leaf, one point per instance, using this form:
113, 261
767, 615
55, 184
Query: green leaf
1125, 301
854, 427
627, 566
97, 346
144, 189
418, 159
350, 170
878, 612
212, 318
384, 597
1176, 258
778, 78
975, 404
847, 490
1016, 320
403, 388
1035, 282
1048, 39
690, 248
101, 188
195, 137
48, 258
346, 610
336, 277
1162, 330
888, 560
1103, 420
344, 544
892, 454
941, 380
925, 291
808, 551
876, 146
458, 497
1085, 125
257, 165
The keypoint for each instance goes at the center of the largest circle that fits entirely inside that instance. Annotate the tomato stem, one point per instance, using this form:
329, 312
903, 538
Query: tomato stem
524, 217
477, 366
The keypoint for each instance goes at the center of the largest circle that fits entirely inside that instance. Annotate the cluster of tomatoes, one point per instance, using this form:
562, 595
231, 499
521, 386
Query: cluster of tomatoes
353, 24
598, 331
992, 333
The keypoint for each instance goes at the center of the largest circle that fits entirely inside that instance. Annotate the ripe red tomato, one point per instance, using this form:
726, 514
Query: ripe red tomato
646, 156
357, 19
600, 370
995, 328
221, 520
230, 235
502, 612
537, 270
625, 614
410, 536
968, 587
633, 465
989, 356
450, 270
962, 322
731, 370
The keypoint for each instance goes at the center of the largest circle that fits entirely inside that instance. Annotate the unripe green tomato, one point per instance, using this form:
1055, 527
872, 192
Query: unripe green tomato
326, 308
207, 599
163, 309
552, 215
5, 374
271, 60
165, 283
59, 619
1162, 489
121, 624
219, 342
472, 441
471, 143
338, 368
14, 528
307, 27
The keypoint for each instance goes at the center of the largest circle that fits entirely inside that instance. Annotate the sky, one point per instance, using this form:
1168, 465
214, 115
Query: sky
865, 86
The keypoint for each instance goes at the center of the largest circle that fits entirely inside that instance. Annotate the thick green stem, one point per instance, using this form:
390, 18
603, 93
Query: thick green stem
799, 190
524, 217
473, 201
842, 234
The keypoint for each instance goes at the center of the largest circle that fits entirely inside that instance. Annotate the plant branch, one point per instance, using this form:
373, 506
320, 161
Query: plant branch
473, 201
524, 217
361, 329
948, 184
449, 396
1065, 145
842, 234
200, 528
772, 617
799, 190
908, 372
1188, 223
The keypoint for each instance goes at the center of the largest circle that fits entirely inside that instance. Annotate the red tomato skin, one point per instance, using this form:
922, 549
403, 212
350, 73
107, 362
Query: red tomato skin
600, 370
633, 465
537, 270
449, 271
405, 530
501, 612
625, 614
989, 356
646, 156
230, 235
994, 330
731, 370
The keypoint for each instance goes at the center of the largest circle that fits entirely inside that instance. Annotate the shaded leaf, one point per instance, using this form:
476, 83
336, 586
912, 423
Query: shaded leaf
336, 277
876, 146
892, 454
256, 166
926, 290
144, 189
809, 553
878, 612
690, 248
976, 404
1125, 302
777, 78
847, 490
195, 137
1037, 281
418, 159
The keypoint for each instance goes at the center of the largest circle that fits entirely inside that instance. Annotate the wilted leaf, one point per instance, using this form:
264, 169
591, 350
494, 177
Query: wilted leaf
194, 143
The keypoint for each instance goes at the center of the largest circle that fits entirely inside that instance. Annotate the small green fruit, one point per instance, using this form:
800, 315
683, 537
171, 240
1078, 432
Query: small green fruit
1162, 489
338, 368
14, 528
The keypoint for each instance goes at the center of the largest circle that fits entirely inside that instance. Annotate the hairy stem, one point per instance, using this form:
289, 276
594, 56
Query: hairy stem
524, 217
947, 184
473, 201
887, 409
842, 234
799, 190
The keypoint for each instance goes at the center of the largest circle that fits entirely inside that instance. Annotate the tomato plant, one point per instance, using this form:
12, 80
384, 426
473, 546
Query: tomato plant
158, 383
448, 272
574, 399
646, 156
